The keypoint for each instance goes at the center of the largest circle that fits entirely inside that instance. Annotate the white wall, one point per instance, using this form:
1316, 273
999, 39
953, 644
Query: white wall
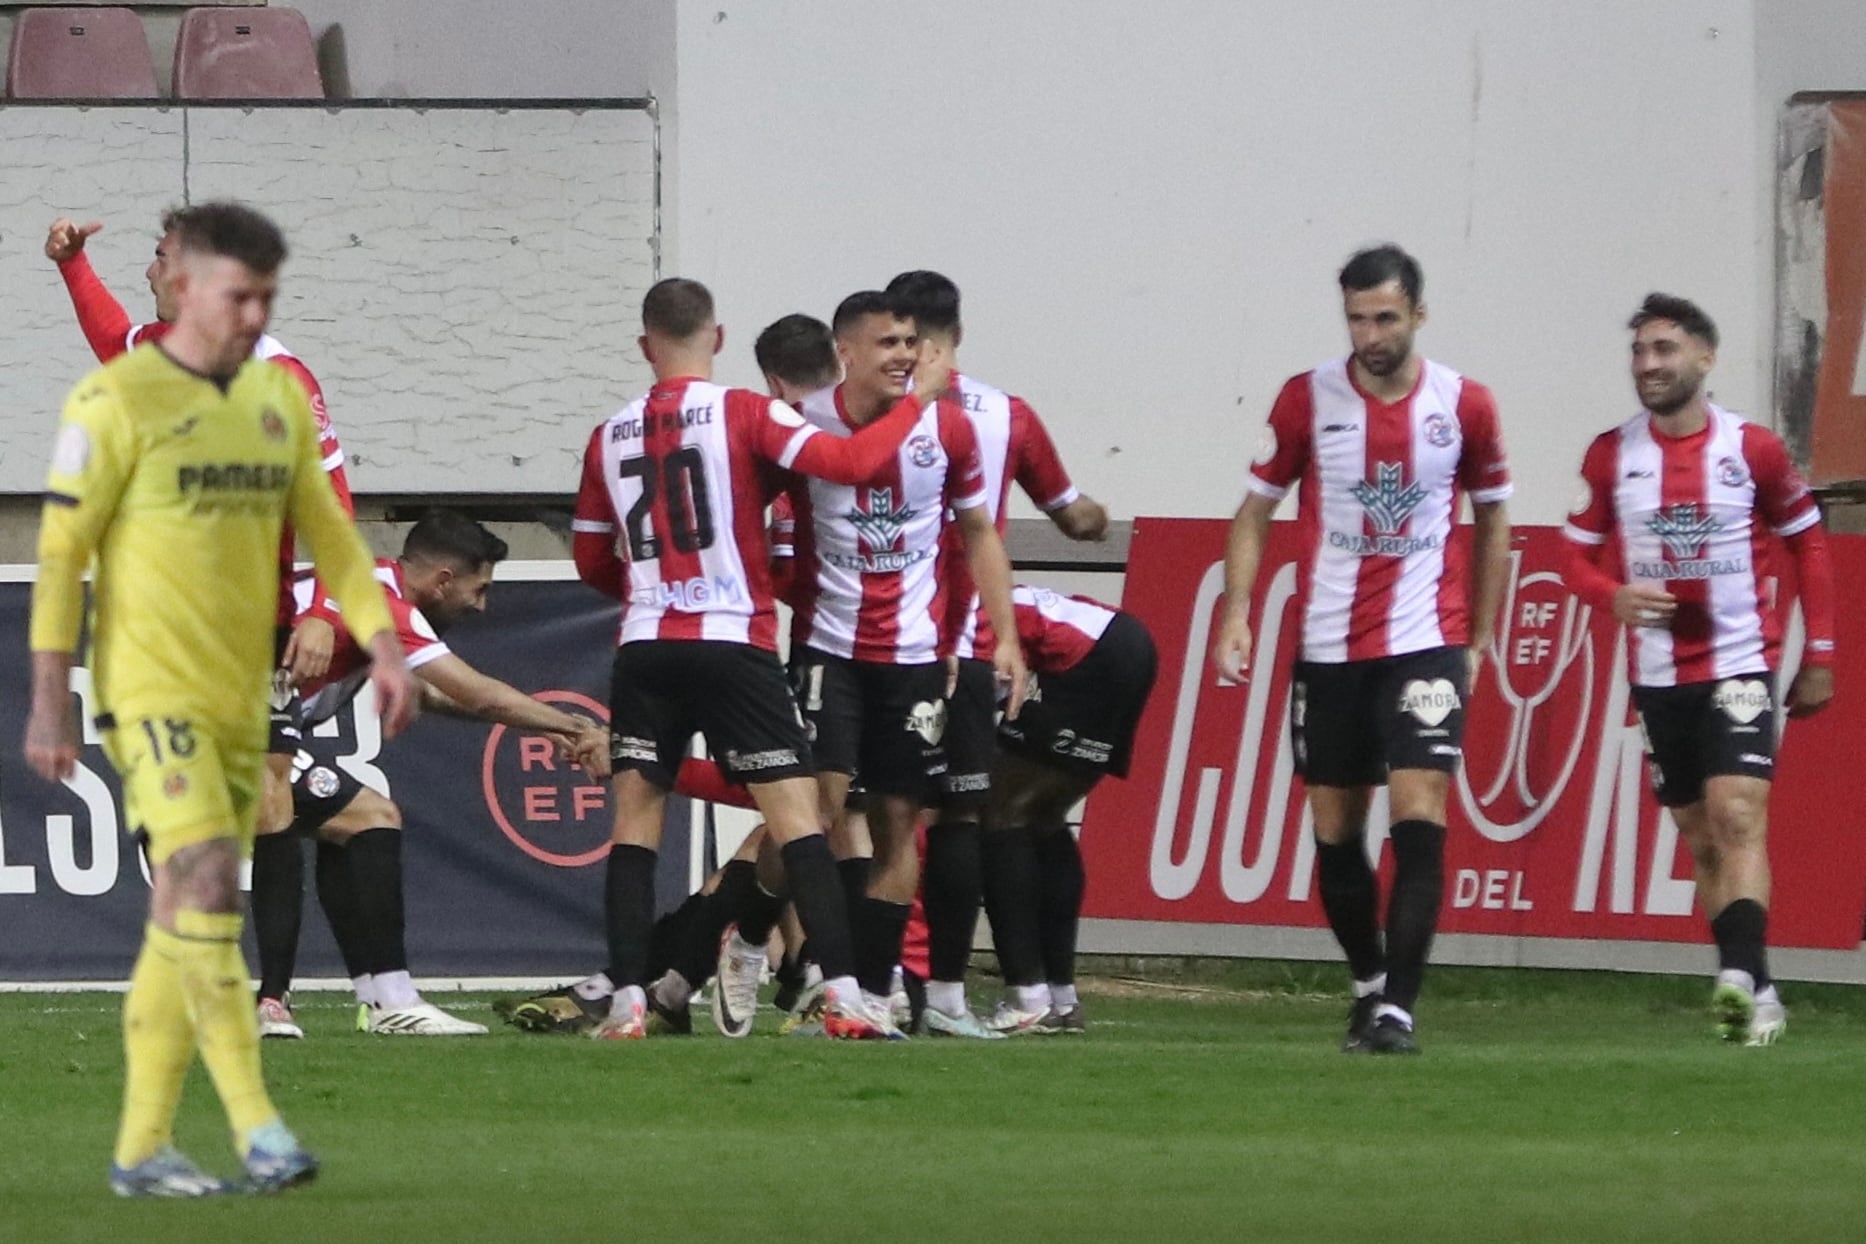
1146, 205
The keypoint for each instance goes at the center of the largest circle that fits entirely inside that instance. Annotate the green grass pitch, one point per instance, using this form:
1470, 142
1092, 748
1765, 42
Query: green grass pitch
1545, 1107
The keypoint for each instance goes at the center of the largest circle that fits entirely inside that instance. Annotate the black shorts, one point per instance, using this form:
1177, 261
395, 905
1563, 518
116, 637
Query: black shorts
1083, 718
668, 690
882, 723
1704, 730
971, 740
285, 723
321, 788
1353, 722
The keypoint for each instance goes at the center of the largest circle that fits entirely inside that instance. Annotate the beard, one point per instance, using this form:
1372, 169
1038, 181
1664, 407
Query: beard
1675, 397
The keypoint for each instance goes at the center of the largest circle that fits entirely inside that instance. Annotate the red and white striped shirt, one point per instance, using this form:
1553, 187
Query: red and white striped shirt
349, 662
1380, 483
1055, 631
871, 580
682, 477
1682, 512
1013, 444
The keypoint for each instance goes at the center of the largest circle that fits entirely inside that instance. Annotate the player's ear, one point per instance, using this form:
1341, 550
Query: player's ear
647, 350
719, 338
1418, 315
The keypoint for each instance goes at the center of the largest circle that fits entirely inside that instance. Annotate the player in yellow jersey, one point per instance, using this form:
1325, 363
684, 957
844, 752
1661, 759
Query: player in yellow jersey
174, 469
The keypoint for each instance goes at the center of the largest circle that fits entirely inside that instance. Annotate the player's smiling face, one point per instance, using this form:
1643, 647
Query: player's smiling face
226, 304
878, 354
1669, 366
1381, 325
454, 594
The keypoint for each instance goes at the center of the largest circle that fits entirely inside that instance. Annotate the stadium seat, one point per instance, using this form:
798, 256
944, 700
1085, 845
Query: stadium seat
242, 53
79, 54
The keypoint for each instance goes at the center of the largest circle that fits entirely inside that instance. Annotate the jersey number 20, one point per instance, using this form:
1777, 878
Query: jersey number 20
681, 477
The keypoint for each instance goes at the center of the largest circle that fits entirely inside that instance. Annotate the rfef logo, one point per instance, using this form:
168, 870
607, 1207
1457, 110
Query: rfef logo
549, 809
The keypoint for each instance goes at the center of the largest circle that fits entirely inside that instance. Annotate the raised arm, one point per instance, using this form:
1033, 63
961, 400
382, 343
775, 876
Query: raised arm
105, 323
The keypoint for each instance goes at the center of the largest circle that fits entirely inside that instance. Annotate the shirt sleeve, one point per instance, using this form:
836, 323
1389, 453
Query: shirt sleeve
1591, 517
1283, 450
966, 486
1040, 472
330, 451
92, 461
106, 325
419, 639
342, 560
777, 432
1483, 468
1782, 495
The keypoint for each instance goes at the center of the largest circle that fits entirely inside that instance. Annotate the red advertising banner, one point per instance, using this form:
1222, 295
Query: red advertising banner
1839, 448
1554, 831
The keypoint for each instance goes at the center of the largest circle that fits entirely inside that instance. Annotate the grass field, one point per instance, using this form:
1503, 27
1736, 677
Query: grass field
1546, 1107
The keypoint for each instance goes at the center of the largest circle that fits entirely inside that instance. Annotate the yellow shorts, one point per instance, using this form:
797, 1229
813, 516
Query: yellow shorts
185, 784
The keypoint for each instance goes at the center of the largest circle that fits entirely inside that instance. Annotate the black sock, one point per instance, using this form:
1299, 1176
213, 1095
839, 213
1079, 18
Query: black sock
822, 908
878, 941
711, 913
277, 904
916, 998
1351, 898
1013, 894
628, 910
1742, 931
854, 875
1412, 911
338, 899
672, 942
1059, 867
373, 859
950, 892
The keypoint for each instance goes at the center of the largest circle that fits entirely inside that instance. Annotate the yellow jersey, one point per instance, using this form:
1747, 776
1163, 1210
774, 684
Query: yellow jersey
179, 489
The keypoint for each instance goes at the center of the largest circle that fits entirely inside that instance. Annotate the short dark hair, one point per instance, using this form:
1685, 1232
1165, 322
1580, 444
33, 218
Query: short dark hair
931, 299
677, 307
1680, 311
450, 536
798, 349
170, 215
1375, 266
230, 229
858, 306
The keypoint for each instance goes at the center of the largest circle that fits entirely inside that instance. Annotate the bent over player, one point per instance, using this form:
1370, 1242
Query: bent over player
1675, 533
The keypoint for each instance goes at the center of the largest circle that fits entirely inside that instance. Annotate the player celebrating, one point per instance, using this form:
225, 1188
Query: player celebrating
679, 480
1686, 502
446, 565
176, 467
1013, 444
304, 651
1394, 622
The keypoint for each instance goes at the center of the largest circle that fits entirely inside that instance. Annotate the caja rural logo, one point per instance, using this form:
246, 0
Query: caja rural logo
549, 809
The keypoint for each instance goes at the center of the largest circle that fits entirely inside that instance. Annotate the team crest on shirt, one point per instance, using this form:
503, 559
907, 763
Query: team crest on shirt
923, 451
1439, 430
1388, 501
1731, 473
272, 425
175, 785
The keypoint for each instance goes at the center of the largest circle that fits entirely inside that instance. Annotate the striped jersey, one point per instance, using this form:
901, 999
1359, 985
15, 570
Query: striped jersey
1055, 631
871, 572
1695, 515
349, 661
1013, 444
1378, 501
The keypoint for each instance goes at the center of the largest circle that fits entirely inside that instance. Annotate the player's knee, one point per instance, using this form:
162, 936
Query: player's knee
205, 876
1738, 819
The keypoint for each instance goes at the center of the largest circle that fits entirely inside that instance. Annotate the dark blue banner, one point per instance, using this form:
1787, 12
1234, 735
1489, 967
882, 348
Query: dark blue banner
504, 843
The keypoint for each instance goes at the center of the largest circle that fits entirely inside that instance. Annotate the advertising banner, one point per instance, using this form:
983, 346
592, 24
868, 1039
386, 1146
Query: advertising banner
1839, 442
1554, 832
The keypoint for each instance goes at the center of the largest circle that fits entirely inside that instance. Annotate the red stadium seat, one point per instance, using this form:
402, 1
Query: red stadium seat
241, 53
79, 54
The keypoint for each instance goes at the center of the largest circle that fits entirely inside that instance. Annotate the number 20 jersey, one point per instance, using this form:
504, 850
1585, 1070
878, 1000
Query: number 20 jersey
682, 477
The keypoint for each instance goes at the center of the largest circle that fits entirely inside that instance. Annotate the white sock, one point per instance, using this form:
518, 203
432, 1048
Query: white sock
1031, 997
595, 988
395, 990
1738, 977
742, 949
365, 986
626, 1003
1767, 994
842, 989
1388, 1009
947, 997
1063, 997
1377, 984
672, 990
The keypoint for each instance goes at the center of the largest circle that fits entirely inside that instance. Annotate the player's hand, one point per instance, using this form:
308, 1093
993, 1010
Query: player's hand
1231, 650
952, 676
1473, 662
66, 238
1641, 604
933, 370
52, 740
590, 751
1008, 661
1812, 689
398, 696
307, 652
